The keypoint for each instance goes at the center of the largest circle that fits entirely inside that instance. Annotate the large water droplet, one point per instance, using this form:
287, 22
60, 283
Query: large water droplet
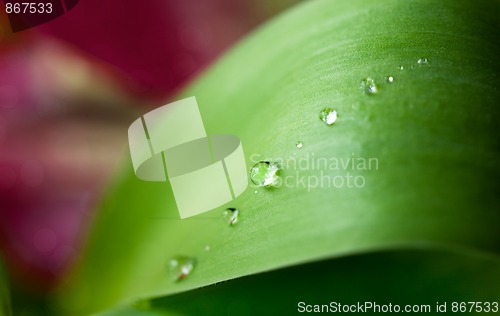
369, 86
180, 267
266, 174
299, 144
422, 61
328, 115
389, 79
231, 216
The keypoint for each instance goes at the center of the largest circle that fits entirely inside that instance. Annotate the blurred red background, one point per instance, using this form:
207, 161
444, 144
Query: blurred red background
68, 91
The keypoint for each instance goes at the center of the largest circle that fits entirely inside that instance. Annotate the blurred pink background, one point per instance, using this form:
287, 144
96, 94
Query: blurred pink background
68, 91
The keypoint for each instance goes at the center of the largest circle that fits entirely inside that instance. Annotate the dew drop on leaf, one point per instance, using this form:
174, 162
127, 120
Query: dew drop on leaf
299, 144
266, 174
328, 115
231, 216
422, 61
389, 79
369, 86
180, 267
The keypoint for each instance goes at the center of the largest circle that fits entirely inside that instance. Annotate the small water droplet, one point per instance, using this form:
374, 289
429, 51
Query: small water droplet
401, 67
256, 192
299, 144
207, 248
328, 115
422, 61
180, 267
231, 216
389, 79
369, 86
266, 174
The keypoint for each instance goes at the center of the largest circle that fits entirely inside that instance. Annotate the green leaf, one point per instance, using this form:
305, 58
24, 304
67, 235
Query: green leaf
134, 311
421, 279
432, 132
404, 278
5, 301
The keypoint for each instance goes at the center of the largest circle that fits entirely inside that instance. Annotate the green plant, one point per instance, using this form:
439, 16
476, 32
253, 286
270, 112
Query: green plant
434, 194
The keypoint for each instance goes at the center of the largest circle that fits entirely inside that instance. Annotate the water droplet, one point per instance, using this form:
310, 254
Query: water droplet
328, 115
422, 61
180, 267
266, 174
256, 192
231, 216
299, 144
389, 79
207, 248
369, 86
401, 67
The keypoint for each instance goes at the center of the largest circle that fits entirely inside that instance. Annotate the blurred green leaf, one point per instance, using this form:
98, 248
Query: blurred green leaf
433, 131
133, 311
5, 303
